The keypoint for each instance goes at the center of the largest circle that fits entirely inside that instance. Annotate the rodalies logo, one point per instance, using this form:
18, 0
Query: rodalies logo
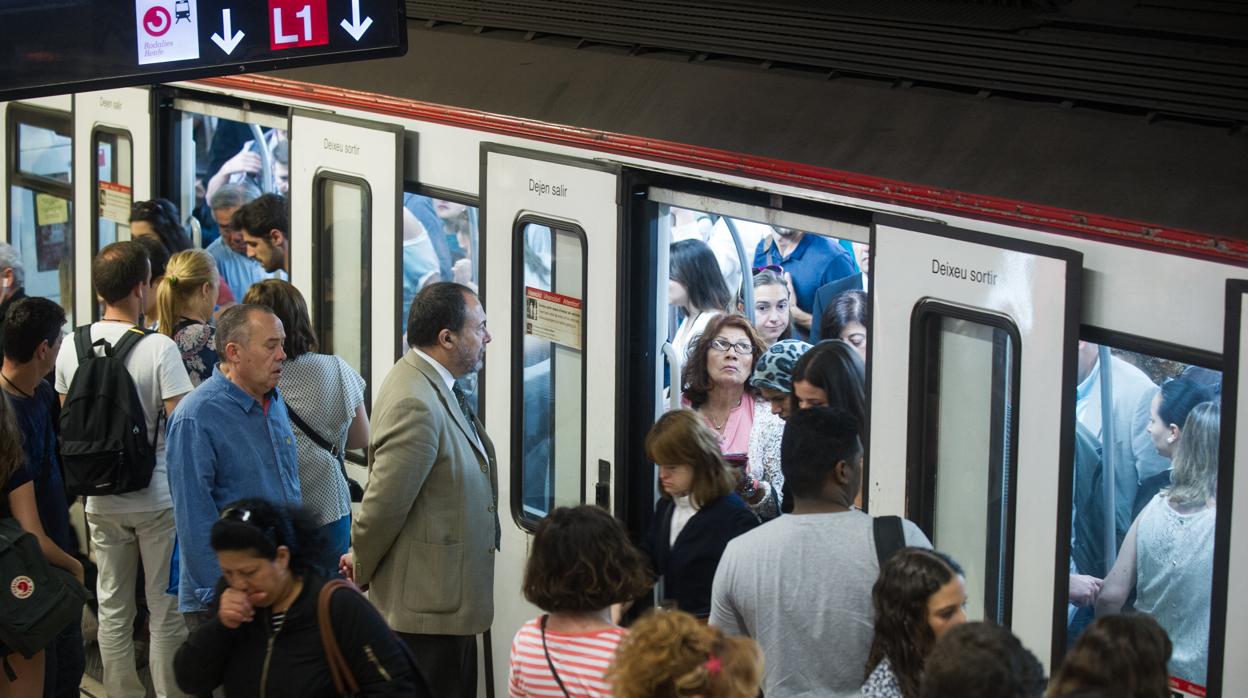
22, 587
166, 30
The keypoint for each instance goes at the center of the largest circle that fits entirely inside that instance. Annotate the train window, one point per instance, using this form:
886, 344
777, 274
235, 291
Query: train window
1144, 510
41, 201
960, 489
341, 273
114, 180
213, 145
549, 424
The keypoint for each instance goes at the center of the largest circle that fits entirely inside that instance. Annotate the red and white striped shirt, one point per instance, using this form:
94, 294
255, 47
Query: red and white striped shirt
581, 660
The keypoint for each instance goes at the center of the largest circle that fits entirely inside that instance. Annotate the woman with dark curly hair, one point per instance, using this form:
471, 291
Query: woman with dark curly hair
1121, 656
919, 595
669, 654
580, 565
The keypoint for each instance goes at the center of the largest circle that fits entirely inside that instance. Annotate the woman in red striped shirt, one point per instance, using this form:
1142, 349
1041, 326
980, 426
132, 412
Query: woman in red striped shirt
581, 564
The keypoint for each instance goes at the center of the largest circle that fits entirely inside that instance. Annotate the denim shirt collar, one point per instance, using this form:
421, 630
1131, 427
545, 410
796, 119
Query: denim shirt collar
241, 397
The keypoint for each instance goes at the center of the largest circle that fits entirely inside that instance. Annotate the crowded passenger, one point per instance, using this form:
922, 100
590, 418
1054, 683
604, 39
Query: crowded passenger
281, 167
771, 307
981, 660
33, 327
807, 262
670, 654
265, 227
715, 232
157, 259
832, 374
1167, 557
715, 383
433, 477
12, 278
1170, 408
919, 596
270, 586
773, 379
136, 526
420, 259
325, 400
846, 319
581, 563
459, 225
230, 439
824, 296
1133, 456
813, 619
237, 269
1122, 656
159, 218
185, 299
697, 513
695, 287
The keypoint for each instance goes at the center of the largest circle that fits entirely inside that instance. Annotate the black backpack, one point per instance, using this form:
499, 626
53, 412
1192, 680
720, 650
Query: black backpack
104, 444
37, 600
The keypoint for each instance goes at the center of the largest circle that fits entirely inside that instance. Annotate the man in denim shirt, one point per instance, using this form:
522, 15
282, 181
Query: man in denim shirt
230, 438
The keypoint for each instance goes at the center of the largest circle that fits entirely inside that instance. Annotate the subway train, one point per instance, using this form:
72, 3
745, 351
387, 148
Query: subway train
1007, 246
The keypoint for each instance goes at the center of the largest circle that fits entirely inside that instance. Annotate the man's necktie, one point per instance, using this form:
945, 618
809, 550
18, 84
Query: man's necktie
466, 409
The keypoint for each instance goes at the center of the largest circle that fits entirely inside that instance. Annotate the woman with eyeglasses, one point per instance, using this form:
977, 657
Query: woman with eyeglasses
715, 383
265, 637
696, 287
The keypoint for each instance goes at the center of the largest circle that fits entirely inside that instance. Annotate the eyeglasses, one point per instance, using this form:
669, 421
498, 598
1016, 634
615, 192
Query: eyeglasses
742, 347
770, 267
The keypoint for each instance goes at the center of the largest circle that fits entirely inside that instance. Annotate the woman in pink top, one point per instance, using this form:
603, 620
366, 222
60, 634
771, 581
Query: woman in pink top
715, 383
580, 565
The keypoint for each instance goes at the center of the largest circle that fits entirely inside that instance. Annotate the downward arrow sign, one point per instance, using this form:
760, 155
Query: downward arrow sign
228, 43
355, 27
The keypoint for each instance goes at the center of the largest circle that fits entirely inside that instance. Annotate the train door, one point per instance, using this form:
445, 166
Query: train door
550, 291
113, 169
972, 400
1230, 572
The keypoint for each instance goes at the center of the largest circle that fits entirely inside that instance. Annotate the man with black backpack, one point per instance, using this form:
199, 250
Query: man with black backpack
118, 384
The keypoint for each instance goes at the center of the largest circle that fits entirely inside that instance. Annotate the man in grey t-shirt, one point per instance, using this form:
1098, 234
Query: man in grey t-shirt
801, 584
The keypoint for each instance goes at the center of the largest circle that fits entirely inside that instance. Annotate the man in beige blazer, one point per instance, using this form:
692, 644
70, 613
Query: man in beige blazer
427, 531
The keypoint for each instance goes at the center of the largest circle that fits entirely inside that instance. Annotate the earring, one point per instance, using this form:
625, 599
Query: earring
1170, 439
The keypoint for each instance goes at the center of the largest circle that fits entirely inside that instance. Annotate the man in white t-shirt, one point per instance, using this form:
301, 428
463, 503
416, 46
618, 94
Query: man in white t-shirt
139, 525
801, 584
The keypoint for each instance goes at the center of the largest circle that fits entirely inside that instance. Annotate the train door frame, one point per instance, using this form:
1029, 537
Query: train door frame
124, 110
591, 210
900, 292
1228, 622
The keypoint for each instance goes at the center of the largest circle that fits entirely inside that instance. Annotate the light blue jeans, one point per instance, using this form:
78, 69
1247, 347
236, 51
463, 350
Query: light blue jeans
337, 539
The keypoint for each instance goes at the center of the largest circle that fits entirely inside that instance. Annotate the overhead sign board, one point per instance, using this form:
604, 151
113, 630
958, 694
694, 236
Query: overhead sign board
61, 46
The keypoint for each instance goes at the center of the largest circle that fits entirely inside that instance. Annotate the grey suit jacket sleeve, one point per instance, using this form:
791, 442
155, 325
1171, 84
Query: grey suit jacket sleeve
404, 450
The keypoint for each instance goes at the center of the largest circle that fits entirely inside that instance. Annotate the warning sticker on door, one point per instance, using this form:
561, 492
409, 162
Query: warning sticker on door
115, 202
1183, 689
553, 317
50, 210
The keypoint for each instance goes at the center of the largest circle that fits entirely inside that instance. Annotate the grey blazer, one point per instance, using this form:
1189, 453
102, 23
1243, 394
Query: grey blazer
426, 532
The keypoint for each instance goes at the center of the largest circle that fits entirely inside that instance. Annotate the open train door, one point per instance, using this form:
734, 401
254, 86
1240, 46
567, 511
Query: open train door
1229, 619
551, 246
973, 343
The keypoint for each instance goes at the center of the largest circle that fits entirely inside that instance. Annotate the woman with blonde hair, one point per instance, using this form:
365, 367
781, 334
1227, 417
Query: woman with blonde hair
698, 512
185, 299
1167, 556
668, 654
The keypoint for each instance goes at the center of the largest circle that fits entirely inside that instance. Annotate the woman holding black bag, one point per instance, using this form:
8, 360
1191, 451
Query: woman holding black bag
325, 399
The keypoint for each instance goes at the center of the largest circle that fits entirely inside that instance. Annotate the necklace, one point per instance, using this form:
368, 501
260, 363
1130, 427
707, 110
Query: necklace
721, 425
21, 392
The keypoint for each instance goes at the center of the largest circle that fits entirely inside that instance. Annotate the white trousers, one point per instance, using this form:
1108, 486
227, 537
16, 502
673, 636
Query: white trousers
120, 541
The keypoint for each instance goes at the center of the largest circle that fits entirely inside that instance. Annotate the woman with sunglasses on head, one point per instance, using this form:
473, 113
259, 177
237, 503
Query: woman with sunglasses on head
696, 287
715, 384
265, 637
919, 595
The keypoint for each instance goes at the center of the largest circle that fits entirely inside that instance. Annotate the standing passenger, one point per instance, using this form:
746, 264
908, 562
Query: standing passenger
807, 262
772, 319
428, 527
831, 374
697, 512
184, 302
12, 276
982, 660
671, 655
813, 620
238, 271
696, 288
230, 439
127, 528
773, 379
265, 224
325, 399
1123, 655
1170, 408
580, 565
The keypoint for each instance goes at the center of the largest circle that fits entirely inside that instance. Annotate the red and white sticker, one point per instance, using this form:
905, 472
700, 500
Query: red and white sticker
22, 587
1183, 689
553, 317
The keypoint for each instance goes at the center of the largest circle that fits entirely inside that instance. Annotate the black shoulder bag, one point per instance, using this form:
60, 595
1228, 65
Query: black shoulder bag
357, 492
549, 662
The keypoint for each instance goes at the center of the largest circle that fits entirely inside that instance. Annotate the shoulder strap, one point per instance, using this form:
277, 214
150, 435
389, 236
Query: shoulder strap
312, 433
889, 536
82, 342
128, 340
550, 662
339, 670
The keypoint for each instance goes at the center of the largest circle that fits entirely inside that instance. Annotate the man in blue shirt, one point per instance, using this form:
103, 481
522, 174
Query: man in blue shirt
230, 251
33, 331
807, 261
230, 438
